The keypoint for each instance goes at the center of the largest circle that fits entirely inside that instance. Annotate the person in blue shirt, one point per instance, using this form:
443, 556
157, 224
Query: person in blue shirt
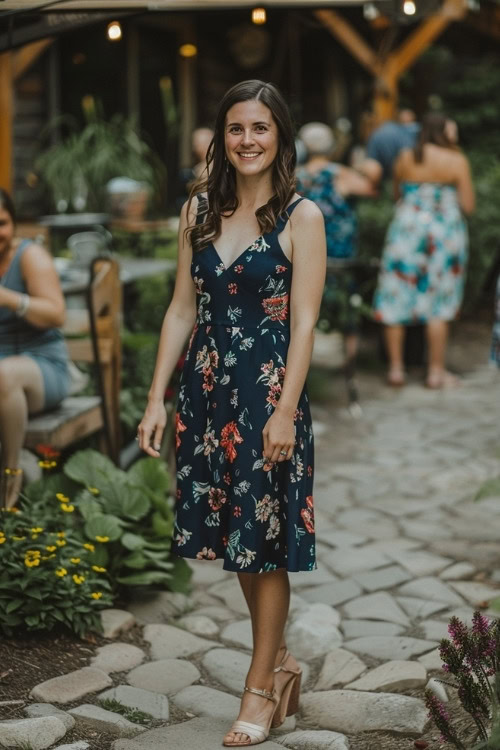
385, 144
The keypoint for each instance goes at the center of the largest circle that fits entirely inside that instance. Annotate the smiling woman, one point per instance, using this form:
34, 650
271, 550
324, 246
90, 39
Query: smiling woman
243, 426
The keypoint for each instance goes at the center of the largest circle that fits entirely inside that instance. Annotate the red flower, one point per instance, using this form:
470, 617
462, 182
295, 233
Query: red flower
276, 308
46, 451
230, 435
208, 380
227, 478
224, 541
232, 288
179, 427
237, 511
280, 269
308, 514
238, 268
309, 471
216, 498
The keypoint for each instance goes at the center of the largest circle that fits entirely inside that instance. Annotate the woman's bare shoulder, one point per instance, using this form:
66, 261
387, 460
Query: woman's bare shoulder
306, 210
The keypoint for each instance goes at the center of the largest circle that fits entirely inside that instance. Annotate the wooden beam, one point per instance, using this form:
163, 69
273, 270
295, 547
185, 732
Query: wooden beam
6, 109
23, 58
349, 37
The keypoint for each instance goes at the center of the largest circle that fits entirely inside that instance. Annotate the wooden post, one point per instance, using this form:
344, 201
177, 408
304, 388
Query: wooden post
6, 113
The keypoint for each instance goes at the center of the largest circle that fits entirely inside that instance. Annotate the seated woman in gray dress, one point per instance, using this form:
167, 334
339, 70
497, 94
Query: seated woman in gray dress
33, 356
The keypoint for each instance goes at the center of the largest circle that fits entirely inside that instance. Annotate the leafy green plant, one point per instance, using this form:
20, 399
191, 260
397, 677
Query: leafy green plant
126, 517
48, 576
472, 659
490, 488
77, 169
132, 714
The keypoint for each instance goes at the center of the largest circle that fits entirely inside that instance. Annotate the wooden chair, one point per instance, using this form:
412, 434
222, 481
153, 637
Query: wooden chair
80, 416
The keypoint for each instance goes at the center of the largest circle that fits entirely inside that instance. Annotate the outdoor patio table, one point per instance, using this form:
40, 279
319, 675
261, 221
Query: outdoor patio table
75, 279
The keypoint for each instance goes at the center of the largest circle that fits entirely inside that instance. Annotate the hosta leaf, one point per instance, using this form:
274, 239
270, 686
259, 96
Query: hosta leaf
88, 505
125, 500
161, 527
136, 560
132, 541
103, 525
151, 474
90, 468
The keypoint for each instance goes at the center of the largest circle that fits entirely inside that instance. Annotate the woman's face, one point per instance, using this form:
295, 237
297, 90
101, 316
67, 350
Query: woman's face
6, 231
251, 138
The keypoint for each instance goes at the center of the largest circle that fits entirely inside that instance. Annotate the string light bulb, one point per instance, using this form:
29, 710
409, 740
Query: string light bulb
259, 16
409, 7
188, 50
114, 31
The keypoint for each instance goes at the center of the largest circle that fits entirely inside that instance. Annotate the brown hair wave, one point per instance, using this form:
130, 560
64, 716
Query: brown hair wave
219, 182
433, 131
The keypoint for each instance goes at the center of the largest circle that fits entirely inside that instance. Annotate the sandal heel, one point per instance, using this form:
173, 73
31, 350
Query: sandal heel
289, 701
293, 701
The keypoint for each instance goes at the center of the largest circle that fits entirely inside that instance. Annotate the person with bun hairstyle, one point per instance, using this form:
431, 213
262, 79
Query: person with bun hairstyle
33, 357
251, 270
424, 259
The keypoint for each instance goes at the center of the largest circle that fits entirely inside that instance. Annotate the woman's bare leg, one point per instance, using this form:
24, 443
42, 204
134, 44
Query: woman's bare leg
394, 339
21, 392
268, 596
246, 583
437, 337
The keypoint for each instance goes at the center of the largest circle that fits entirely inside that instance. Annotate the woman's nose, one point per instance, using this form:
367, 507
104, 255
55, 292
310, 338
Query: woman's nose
247, 136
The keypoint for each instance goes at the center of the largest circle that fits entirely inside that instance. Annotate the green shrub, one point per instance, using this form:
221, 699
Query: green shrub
47, 576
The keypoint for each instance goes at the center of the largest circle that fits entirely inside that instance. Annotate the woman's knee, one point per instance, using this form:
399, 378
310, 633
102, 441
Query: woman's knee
8, 379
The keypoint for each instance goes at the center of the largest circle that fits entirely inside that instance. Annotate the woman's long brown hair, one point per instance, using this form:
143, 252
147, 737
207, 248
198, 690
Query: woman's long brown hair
433, 131
219, 182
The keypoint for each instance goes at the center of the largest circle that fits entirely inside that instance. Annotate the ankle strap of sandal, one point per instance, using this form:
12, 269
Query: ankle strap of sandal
263, 693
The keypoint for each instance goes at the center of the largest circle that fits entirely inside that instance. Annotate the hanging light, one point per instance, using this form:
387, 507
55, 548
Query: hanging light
370, 11
114, 31
188, 50
259, 16
409, 7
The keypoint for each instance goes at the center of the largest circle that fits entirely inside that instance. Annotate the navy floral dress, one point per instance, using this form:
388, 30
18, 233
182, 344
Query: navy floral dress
231, 503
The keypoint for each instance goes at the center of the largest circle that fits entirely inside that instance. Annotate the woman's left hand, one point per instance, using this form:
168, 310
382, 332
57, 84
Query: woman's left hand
279, 437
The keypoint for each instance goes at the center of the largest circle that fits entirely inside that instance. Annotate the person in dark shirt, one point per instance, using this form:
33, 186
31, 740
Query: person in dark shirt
385, 144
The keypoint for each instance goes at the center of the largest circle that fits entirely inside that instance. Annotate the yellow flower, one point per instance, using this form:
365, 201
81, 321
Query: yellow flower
62, 498
67, 508
36, 530
96, 595
89, 546
31, 562
33, 553
60, 542
34, 536
75, 560
19, 538
102, 538
61, 534
2, 539
93, 490
47, 464
61, 572
51, 548
98, 569
78, 579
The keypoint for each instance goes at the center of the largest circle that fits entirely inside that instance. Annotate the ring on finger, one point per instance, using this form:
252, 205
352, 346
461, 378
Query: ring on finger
283, 453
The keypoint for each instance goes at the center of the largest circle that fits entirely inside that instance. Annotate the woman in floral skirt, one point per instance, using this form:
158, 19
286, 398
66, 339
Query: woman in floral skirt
250, 277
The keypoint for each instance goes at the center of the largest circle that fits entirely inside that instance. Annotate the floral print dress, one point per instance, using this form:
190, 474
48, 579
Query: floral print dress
231, 503
424, 259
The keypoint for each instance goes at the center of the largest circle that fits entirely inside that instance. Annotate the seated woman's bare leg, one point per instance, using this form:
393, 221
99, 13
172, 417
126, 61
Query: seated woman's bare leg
21, 392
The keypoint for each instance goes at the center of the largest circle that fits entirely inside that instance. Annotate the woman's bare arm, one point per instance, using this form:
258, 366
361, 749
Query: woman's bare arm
46, 301
177, 325
465, 188
351, 182
309, 268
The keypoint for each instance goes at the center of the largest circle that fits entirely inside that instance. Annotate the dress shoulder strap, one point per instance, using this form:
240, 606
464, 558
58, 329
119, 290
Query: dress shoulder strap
283, 219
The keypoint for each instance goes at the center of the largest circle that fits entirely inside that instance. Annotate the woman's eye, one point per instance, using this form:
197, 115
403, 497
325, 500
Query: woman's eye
234, 129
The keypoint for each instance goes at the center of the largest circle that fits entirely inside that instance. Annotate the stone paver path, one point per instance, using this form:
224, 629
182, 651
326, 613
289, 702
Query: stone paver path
401, 547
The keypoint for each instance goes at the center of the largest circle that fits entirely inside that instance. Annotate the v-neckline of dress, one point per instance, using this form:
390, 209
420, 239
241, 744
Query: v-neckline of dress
235, 261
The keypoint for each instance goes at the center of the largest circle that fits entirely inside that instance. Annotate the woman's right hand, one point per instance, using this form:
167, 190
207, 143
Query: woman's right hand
151, 428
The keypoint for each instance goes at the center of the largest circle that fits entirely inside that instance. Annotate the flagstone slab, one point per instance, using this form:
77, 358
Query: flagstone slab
434, 630
166, 676
420, 608
420, 563
352, 712
116, 621
169, 642
474, 592
197, 734
431, 589
392, 677
335, 537
333, 593
238, 634
309, 739
312, 578
228, 667
360, 628
384, 647
439, 690
72, 686
199, 624
97, 718
349, 560
35, 710
37, 733
146, 701
383, 578
205, 701
149, 606
339, 668
215, 612
313, 632
378, 606
231, 594
432, 661
81, 745
458, 571
207, 572
117, 657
